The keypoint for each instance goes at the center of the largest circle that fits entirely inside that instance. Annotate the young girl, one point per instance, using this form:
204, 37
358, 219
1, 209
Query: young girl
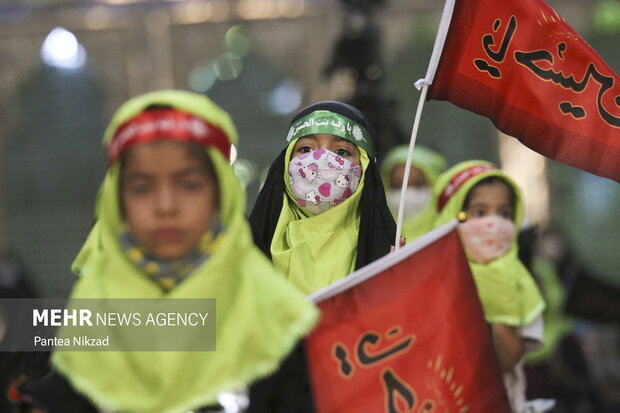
426, 165
489, 206
170, 224
322, 212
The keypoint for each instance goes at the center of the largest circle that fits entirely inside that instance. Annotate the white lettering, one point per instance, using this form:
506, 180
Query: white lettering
56, 317
102, 319
39, 317
85, 317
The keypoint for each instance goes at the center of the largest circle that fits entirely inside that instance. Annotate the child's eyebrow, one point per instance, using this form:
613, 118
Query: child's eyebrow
309, 138
137, 175
478, 203
191, 171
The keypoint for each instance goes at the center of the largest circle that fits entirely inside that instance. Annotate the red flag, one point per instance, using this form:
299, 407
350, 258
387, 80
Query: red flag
520, 64
409, 337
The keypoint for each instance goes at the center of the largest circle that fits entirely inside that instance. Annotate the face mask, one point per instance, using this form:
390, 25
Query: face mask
416, 199
321, 179
487, 238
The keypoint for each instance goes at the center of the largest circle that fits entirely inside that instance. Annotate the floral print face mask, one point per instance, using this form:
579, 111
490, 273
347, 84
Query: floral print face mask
487, 238
322, 179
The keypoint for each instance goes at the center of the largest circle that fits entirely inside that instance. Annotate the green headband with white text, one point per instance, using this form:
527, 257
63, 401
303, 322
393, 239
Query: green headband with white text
330, 123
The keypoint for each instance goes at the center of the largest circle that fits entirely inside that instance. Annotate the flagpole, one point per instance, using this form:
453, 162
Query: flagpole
414, 135
440, 39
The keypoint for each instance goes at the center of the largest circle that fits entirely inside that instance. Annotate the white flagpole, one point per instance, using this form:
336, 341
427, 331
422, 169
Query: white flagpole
423, 84
414, 135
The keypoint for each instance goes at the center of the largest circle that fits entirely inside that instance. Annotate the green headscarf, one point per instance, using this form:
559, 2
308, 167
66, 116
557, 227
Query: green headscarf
432, 164
506, 289
557, 324
330, 123
429, 161
259, 315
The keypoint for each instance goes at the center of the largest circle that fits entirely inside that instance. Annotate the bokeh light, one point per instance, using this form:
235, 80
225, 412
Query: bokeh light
285, 97
245, 171
228, 66
236, 41
201, 78
61, 49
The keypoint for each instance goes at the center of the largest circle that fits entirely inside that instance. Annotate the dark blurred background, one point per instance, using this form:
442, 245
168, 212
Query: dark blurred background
66, 65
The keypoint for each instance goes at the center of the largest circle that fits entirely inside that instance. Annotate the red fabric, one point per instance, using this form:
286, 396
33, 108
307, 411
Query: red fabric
520, 64
458, 181
167, 124
410, 339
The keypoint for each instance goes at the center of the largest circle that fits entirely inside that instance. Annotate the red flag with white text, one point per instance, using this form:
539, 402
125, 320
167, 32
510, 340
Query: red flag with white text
406, 334
520, 64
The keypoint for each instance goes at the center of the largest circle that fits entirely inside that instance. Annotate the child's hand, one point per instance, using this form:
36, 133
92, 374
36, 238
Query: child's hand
401, 244
509, 346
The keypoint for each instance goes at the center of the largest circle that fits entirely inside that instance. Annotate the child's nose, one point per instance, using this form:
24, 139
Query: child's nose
165, 201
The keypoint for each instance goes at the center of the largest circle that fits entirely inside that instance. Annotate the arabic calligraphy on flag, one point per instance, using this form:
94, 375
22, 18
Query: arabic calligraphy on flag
410, 336
520, 64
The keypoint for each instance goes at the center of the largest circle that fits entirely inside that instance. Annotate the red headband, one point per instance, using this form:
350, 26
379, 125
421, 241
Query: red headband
457, 182
171, 124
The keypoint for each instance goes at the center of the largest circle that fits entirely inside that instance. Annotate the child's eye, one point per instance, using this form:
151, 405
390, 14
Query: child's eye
478, 212
506, 214
304, 149
191, 185
343, 152
139, 189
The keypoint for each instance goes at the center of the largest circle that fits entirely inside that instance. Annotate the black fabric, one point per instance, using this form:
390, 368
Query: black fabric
54, 394
377, 227
377, 230
286, 391
264, 216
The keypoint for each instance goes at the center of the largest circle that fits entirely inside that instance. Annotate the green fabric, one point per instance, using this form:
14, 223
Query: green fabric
330, 123
557, 325
418, 225
429, 161
259, 316
506, 289
313, 251
432, 164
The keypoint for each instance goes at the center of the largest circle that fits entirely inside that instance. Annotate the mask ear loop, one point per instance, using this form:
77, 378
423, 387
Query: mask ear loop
462, 216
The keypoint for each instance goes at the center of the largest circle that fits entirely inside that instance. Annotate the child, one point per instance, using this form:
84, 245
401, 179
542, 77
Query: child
426, 165
170, 224
489, 206
322, 212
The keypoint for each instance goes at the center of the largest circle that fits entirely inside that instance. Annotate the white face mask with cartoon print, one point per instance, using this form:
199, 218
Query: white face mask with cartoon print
322, 179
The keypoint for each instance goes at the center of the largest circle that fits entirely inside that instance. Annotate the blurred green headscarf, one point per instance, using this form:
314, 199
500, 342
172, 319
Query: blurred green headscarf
506, 289
429, 161
431, 164
259, 315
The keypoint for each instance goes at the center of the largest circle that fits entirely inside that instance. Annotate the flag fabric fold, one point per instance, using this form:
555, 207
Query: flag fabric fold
406, 334
520, 64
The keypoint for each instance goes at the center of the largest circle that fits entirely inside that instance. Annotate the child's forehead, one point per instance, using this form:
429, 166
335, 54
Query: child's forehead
497, 189
165, 154
164, 146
